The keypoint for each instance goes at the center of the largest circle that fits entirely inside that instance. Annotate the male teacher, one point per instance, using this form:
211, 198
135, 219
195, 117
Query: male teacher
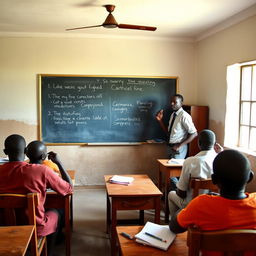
180, 131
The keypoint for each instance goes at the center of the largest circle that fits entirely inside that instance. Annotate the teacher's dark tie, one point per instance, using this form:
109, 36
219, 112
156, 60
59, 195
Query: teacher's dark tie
171, 125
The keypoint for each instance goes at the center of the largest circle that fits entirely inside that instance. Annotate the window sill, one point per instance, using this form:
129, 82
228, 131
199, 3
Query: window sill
242, 150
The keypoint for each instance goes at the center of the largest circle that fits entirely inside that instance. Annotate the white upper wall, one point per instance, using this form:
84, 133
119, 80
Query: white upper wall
21, 59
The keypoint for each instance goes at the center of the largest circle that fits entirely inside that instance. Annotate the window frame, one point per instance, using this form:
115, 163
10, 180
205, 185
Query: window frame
250, 101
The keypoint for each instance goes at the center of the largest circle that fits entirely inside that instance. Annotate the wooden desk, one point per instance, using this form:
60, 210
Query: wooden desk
141, 194
167, 170
131, 248
54, 200
14, 240
72, 174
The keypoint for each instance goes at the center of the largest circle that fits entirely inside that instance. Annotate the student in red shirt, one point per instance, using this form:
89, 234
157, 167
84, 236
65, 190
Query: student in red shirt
20, 177
232, 209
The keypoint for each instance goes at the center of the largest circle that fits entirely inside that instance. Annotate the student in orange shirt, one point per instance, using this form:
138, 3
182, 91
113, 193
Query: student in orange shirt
232, 209
36, 151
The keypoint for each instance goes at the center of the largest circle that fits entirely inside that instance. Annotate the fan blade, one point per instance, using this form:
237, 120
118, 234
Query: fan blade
139, 27
67, 29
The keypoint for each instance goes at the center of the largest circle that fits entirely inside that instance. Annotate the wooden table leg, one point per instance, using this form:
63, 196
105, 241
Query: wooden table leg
108, 215
71, 213
113, 237
157, 210
141, 221
67, 225
160, 177
166, 192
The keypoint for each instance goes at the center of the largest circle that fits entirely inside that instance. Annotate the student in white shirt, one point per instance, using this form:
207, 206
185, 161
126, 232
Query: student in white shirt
198, 166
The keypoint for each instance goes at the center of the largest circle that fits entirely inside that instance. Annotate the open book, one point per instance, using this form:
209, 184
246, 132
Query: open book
124, 180
155, 235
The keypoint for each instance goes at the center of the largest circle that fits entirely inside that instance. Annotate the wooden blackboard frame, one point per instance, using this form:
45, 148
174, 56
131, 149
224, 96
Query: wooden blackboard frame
42, 76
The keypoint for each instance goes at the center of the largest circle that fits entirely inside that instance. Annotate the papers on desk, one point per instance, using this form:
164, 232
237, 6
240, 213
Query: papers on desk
4, 160
176, 161
155, 235
123, 180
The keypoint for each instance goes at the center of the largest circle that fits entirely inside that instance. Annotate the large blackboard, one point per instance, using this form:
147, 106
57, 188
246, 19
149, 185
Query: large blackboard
89, 109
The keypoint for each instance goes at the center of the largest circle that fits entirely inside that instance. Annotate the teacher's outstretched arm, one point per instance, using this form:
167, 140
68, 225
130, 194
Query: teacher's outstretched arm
159, 118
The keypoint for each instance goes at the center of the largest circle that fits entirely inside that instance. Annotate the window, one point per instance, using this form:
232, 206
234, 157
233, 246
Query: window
240, 120
247, 120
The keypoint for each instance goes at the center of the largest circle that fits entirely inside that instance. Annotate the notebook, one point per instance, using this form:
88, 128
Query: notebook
124, 180
152, 234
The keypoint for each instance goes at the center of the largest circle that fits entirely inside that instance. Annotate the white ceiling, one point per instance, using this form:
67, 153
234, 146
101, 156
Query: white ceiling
173, 18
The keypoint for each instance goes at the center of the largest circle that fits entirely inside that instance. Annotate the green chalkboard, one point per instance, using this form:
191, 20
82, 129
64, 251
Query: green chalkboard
102, 109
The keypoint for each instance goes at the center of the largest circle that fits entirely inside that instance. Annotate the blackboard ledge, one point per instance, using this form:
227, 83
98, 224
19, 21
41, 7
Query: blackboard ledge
114, 143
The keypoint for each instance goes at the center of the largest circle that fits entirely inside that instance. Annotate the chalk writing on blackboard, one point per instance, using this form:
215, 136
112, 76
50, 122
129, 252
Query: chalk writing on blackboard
87, 109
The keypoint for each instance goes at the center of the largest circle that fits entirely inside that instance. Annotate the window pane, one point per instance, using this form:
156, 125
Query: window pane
245, 113
246, 83
252, 144
253, 114
254, 83
244, 136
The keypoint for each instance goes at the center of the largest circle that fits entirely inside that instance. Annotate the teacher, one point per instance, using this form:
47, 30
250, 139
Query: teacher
181, 129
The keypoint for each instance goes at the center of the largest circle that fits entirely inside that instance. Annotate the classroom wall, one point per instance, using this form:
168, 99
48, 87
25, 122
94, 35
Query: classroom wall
201, 67
22, 58
232, 45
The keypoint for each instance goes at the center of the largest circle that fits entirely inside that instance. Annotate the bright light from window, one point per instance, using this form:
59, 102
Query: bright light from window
240, 120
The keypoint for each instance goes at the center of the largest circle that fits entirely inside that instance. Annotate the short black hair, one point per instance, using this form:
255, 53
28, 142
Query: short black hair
231, 169
15, 143
178, 96
35, 150
206, 139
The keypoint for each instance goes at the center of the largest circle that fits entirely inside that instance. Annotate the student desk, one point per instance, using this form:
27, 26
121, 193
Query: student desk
131, 248
14, 240
167, 170
141, 194
54, 200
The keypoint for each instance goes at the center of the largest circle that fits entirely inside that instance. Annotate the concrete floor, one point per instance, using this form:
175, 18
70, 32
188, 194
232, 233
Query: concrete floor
89, 236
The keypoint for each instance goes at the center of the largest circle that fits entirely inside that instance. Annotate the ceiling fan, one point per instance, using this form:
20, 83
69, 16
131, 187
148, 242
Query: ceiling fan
110, 22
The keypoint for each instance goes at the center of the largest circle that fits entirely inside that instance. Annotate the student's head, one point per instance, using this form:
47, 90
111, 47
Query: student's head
231, 171
36, 151
176, 102
206, 139
14, 147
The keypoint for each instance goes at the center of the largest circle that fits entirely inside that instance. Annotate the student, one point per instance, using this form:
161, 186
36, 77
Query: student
232, 209
36, 151
198, 166
181, 129
19, 177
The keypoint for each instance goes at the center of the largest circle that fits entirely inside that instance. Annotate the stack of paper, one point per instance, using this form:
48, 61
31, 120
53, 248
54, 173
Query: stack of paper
176, 161
155, 235
124, 180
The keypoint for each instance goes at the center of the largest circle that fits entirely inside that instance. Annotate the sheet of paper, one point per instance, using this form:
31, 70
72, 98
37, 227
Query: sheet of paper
176, 161
121, 179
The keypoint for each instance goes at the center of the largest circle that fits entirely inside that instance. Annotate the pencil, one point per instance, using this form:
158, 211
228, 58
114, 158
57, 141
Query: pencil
156, 237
